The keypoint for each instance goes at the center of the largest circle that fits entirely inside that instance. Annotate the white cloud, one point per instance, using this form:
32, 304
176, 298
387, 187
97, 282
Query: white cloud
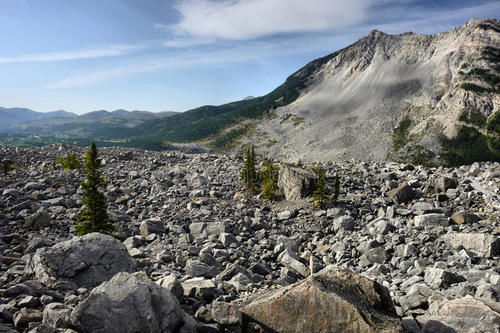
246, 19
108, 51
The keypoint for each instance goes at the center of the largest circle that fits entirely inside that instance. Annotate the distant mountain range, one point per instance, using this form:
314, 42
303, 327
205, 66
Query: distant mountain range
26, 121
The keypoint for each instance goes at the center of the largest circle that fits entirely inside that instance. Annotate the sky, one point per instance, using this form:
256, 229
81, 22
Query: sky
174, 55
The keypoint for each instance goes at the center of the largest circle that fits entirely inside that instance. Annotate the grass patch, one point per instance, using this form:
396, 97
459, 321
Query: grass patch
475, 88
228, 139
296, 120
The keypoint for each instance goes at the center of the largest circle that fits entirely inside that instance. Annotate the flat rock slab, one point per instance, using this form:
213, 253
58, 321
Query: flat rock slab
480, 244
86, 261
333, 300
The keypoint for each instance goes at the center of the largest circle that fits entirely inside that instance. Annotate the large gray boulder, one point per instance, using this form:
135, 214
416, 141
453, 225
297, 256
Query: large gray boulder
295, 182
333, 300
128, 303
481, 244
85, 261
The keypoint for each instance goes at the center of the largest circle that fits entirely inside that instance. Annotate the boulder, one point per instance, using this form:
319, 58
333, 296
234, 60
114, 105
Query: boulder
373, 256
402, 194
480, 244
441, 278
462, 315
345, 222
151, 226
128, 303
225, 313
430, 220
443, 184
25, 316
295, 182
333, 300
85, 261
289, 259
464, 217
198, 287
171, 283
203, 229
57, 315
38, 220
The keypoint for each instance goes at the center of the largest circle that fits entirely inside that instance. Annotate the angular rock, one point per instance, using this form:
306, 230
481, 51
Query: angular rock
38, 220
441, 278
444, 183
197, 268
430, 220
57, 315
151, 226
464, 217
26, 316
344, 222
128, 303
198, 287
171, 283
402, 194
480, 244
86, 261
333, 300
295, 182
225, 313
289, 259
373, 256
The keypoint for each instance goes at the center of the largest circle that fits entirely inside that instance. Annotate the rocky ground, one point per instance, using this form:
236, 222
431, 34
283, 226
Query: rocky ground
407, 249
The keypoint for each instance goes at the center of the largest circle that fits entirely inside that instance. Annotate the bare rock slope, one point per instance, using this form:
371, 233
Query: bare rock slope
356, 98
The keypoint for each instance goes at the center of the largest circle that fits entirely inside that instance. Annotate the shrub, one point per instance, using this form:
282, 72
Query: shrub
69, 162
269, 175
401, 133
94, 217
5, 167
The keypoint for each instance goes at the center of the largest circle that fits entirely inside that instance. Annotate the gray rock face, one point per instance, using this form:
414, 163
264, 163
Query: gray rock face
289, 259
480, 244
295, 182
128, 303
86, 261
333, 300
57, 315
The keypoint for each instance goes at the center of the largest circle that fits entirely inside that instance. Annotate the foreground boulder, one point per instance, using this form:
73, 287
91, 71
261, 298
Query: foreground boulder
128, 303
295, 182
333, 300
85, 261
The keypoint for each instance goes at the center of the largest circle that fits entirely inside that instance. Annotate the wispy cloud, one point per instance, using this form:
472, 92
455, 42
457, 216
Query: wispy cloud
245, 19
107, 51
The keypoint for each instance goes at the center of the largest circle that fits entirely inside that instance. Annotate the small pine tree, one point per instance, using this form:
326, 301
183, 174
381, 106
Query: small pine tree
269, 176
5, 167
320, 195
248, 173
94, 216
336, 188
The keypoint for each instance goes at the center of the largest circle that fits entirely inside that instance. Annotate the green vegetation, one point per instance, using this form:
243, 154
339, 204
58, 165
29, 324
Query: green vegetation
493, 124
336, 189
94, 217
296, 120
69, 162
320, 195
474, 87
227, 139
5, 168
400, 135
248, 173
270, 178
469, 146
473, 117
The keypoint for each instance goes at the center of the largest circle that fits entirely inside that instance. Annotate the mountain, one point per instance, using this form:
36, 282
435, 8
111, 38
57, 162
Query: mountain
12, 116
101, 124
418, 98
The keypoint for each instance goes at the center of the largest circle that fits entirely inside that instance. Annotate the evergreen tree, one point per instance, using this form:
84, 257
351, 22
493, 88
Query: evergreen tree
320, 195
94, 216
248, 173
336, 188
5, 167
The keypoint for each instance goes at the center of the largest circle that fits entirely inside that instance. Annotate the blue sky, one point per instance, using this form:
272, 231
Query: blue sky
158, 55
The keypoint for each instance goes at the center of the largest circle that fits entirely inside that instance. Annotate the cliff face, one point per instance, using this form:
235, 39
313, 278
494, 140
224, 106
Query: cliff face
353, 102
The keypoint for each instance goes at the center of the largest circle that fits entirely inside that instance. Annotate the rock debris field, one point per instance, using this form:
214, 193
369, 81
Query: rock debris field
407, 248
